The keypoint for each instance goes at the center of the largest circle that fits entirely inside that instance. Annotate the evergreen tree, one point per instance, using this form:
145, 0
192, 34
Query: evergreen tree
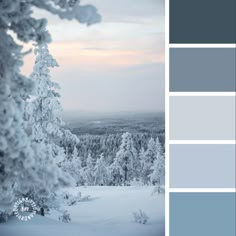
45, 123
68, 141
116, 172
101, 172
126, 157
151, 150
77, 171
17, 155
73, 166
24, 162
148, 158
142, 165
158, 168
89, 170
42, 116
159, 148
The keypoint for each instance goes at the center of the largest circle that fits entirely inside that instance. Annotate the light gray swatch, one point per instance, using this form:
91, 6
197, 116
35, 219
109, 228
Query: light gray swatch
202, 70
202, 166
202, 118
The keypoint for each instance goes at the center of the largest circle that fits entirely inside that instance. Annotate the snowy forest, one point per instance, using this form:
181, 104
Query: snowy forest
45, 158
106, 156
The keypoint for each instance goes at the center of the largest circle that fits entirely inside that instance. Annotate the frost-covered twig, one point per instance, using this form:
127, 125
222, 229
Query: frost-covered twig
65, 217
140, 217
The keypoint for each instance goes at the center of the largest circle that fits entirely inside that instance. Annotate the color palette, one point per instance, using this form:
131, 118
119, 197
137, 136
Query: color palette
201, 130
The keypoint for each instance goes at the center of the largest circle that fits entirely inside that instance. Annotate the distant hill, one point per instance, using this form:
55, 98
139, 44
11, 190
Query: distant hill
82, 123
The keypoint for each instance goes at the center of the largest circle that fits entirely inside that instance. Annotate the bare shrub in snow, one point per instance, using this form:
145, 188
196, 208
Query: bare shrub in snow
65, 217
3, 216
140, 217
70, 199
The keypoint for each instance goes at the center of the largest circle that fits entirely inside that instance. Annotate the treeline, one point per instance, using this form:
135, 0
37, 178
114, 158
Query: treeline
116, 160
109, 144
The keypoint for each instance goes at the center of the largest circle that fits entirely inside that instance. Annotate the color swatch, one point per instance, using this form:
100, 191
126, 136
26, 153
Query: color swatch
202, 21
202, 165
202, 214
202, 69
202, 118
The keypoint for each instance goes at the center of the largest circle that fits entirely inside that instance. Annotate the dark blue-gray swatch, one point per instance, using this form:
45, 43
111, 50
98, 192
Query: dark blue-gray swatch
202, 214
202, 21
202, 70
202, 166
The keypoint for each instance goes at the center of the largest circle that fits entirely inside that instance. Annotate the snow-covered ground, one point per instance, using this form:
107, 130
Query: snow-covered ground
108, 213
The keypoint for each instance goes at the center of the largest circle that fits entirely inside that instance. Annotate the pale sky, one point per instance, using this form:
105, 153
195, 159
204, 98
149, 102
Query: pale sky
116, 65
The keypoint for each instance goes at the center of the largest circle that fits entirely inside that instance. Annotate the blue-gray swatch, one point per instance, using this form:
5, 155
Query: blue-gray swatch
202, 70
202, 214
202, 118
202, 21
202, 166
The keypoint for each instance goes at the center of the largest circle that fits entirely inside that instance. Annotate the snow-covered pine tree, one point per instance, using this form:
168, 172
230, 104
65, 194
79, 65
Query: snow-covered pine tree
142, 164
18, 156
126, 158
77, 171
68, 141
101, 172
137, 166
158, 168
75, 153
44, 120
148, 160
89, 170
16, 153
116, 173
159, 148
151, 150
73, 166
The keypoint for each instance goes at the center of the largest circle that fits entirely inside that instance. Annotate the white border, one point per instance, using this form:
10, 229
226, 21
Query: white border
202, 142
202, 190
167, 138
208, 94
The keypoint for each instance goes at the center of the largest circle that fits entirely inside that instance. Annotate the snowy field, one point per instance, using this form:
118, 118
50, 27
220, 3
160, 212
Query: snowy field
107, 213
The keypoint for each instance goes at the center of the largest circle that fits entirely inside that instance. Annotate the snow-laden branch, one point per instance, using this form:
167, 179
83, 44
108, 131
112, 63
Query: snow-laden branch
17, 16
86, 14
